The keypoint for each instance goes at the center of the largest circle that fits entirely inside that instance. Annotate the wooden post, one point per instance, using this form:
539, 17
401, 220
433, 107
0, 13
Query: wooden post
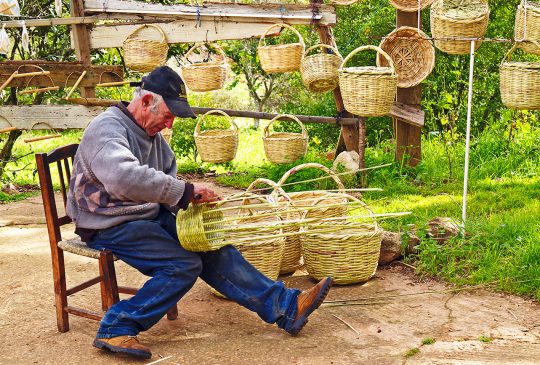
81, 43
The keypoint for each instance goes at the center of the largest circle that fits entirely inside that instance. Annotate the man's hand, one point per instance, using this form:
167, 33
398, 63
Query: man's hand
202, 194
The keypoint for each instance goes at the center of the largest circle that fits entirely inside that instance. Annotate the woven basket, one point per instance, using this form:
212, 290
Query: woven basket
282, 57
216, 145
368, 91
527, 26
284, 147
192, 232
144, 55
342, 2
413, 55
410, 5
461, 19
320, 71
520, 83
205, 76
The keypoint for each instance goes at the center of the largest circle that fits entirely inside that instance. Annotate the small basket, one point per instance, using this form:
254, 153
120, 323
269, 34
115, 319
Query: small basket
216, 145
320, 71
368, 91
461, 19
282, 57
144, 55
410, 6
527, 26
520, 83
413, 55
193, 225
205, 76
285, 147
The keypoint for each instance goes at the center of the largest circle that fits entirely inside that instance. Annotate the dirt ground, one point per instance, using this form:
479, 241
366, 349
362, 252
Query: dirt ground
477, 327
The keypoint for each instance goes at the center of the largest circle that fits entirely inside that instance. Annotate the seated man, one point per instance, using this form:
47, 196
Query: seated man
123, 196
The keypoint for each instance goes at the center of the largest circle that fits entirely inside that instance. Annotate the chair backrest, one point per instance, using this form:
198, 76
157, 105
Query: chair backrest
62, 156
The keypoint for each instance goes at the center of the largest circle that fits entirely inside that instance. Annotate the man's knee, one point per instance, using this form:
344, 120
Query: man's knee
187, 268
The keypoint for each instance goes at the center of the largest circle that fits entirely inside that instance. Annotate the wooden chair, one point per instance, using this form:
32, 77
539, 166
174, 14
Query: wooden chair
110, 290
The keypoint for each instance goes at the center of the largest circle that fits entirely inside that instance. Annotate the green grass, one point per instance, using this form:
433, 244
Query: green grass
428, 341
485, 339
412, 352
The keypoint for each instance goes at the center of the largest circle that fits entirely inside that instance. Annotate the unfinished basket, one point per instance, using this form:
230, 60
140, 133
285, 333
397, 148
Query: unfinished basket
142, 54
458, 19
284, 147
216, 145
196, 225
527, 26
410, 5
205, 76
412, 52
282, 57
520, 83
368, 91
320, 71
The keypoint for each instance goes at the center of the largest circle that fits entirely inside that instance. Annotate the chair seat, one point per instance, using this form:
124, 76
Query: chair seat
78, 247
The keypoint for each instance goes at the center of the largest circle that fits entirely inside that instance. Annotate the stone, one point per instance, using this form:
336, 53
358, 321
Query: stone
344, 162
442, 229
9, 189
390, 247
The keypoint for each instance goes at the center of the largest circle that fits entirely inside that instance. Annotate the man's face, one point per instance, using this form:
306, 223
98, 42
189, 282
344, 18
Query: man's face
153, 121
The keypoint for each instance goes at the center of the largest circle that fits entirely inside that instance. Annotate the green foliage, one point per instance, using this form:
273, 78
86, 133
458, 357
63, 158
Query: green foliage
412, 352
428, 341
485, 339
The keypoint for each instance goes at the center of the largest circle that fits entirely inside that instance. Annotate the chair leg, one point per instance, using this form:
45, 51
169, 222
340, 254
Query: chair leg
110, 285
103, 288
172, 313
60, 295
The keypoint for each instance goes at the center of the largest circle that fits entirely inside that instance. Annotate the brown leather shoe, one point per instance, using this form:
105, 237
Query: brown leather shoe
307, 302
128, 345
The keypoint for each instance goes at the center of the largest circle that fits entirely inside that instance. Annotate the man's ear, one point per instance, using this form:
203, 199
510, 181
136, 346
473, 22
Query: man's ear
146, 100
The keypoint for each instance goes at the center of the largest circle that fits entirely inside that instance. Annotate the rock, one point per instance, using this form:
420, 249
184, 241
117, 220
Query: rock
10, 189
390, 247
412, 243
346, 161
442, 228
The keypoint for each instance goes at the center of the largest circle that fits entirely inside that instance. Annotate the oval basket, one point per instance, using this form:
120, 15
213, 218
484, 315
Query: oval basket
282, 57
520, 83
368, 91
410, 5
205, 76
413, 55
320, 71
194, 224
216, 145
461, 19
284, 147
144, 55
527, 26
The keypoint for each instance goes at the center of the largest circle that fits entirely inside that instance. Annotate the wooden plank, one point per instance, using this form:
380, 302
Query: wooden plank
48, 22
80, 42
58, 116
406, 113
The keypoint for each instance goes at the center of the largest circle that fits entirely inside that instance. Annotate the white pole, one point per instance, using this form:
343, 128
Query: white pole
468, 138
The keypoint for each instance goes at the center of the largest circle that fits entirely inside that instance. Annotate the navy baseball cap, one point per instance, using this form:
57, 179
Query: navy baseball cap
166, 82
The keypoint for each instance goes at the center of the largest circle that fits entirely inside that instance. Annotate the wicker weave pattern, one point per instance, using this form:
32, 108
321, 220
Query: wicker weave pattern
284, 147
532, 11
283, 57
78, 247
410, 5
205, 76
216, 145
144, 55
520, 83
192, 232
320, 71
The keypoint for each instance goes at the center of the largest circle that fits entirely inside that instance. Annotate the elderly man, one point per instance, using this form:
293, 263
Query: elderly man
123, 197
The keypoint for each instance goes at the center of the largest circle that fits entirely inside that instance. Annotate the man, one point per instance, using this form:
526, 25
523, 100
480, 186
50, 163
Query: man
123, 196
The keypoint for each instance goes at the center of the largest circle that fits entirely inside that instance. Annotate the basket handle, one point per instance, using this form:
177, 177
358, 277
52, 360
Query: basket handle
280, 116
163, 37
49, 136
214, 45
327, 46
373, 48
215, 111
314, 165
282, 25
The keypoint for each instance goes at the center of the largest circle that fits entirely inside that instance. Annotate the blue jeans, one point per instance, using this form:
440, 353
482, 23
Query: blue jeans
152, 247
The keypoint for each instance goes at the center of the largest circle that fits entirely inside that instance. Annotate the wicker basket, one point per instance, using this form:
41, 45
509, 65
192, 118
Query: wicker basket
282, 57
284, 147
413, 55
193, 225
461, 19
205, 76
216, 145
368, 91
144, 55
410, 5
342, 2
320, 71
520, 83
527, 26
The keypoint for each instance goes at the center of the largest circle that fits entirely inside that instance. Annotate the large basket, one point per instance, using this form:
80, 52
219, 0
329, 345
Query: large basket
520, 83
282, 57
527, 26
284, 147
144, 55
410, 5
412, 52
205, 76
216, 145
458, 19
320, 71
368, 91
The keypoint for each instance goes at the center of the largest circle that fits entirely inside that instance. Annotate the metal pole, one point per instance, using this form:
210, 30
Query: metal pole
468, 138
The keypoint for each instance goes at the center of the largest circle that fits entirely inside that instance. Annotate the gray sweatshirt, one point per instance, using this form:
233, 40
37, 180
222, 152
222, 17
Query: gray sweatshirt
120, 174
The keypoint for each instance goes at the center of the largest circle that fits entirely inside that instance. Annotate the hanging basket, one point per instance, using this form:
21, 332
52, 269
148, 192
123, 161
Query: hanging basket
458, 19
520, 83
410, 6
284, 147
282, 57
216, 145
320, 71
144, 55
368, 91
205, 76
527, 26
413, 55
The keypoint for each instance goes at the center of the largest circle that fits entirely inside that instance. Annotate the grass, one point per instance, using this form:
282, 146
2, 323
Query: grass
412, 352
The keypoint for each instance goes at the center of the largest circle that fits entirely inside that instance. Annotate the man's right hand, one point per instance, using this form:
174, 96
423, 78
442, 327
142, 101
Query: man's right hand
202, 194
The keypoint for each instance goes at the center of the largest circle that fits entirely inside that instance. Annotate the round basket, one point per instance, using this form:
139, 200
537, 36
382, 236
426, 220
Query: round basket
320, 71
520, 83
410, 6
368, 91
413, 55
144, 55
196, 225
282, 57
284, 147
216, 145
527, 26
205, 76
458, 19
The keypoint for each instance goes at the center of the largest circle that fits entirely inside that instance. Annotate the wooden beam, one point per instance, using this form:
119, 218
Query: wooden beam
48, 22
80, 42
58, 116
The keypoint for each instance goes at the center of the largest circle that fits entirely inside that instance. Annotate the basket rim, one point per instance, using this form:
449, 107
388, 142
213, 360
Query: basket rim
411, 8
439, 11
